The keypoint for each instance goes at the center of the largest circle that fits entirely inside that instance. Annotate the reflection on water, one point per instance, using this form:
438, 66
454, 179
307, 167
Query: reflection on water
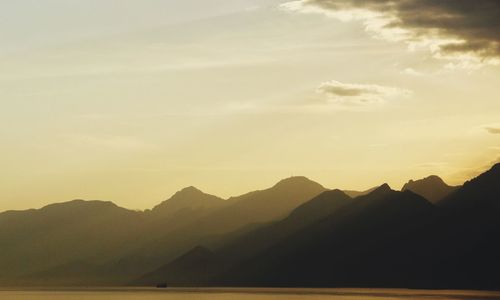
242, 294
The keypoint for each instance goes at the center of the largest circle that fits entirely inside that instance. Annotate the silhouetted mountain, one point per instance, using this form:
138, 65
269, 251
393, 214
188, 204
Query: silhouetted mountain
389, 239
295, 233
347, 247
467, 234
188, 199
88, 231
191, 269
261, 206
316, 209
431, 188
240, 215
354, 194
247, 245
304, 248
482, 192
273, 203
46, 246
319, 207
185, 207
49, 244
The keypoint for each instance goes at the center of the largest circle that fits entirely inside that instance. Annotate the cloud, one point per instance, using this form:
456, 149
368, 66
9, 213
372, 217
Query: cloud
358, 94
493, 129
411, 72
466, 31
107, 142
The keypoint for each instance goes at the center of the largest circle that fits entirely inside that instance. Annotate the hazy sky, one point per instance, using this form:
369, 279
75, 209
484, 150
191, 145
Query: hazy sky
132, 100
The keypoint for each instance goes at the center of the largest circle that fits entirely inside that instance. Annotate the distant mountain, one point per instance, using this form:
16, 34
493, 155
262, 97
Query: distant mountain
295, 233
481, 193
319, 207
389, 239
302, 249
183, 208
431, 188
246, 245
464, 240
343, 249
59, 243
191, 269
240, 215
261, 206
90, 232
188, 199
354, 194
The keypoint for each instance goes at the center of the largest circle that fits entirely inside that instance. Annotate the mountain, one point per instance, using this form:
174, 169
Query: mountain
184, 207
389, 239
462, 241
87, 231
251, 243
240, 215
431, 188
261, 206
330, 232
154, 238
246, 245
344, 248
277, 201
295, 233
354, 194
191, 269
319, 207
60, 242
188, 199
481, 193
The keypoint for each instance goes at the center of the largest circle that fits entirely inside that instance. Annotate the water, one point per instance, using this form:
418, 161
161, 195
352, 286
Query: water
243, 294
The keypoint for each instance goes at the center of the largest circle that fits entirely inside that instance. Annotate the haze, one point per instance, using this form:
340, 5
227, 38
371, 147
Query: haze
131, 101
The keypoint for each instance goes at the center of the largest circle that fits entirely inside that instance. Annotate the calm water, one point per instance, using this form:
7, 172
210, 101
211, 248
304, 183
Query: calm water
242, 294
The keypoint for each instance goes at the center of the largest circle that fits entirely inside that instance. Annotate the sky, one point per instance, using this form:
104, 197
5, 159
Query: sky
130, 101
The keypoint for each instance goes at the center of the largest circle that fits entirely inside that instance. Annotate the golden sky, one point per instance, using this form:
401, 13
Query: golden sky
130, 101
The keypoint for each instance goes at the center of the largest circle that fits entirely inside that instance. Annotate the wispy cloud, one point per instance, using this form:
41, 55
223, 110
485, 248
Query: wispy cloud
493, 129
467, 33
412, 72
107, 142
355, 94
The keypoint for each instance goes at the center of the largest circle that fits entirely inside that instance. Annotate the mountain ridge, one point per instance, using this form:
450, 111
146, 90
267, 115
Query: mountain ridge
432, 187
294, 233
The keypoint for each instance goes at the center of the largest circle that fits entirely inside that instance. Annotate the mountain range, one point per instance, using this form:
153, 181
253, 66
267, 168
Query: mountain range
294, 234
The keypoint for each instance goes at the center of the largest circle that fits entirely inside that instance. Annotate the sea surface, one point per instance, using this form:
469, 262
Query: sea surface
242, 294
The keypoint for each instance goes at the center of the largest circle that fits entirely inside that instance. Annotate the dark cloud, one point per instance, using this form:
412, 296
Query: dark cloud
474, 22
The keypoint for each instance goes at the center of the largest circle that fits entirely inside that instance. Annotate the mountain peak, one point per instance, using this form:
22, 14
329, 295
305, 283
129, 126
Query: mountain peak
354, 193
433, 188
189, 197
188, 193
430, 179
496, 167
296, 181
189, 190
383, 188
